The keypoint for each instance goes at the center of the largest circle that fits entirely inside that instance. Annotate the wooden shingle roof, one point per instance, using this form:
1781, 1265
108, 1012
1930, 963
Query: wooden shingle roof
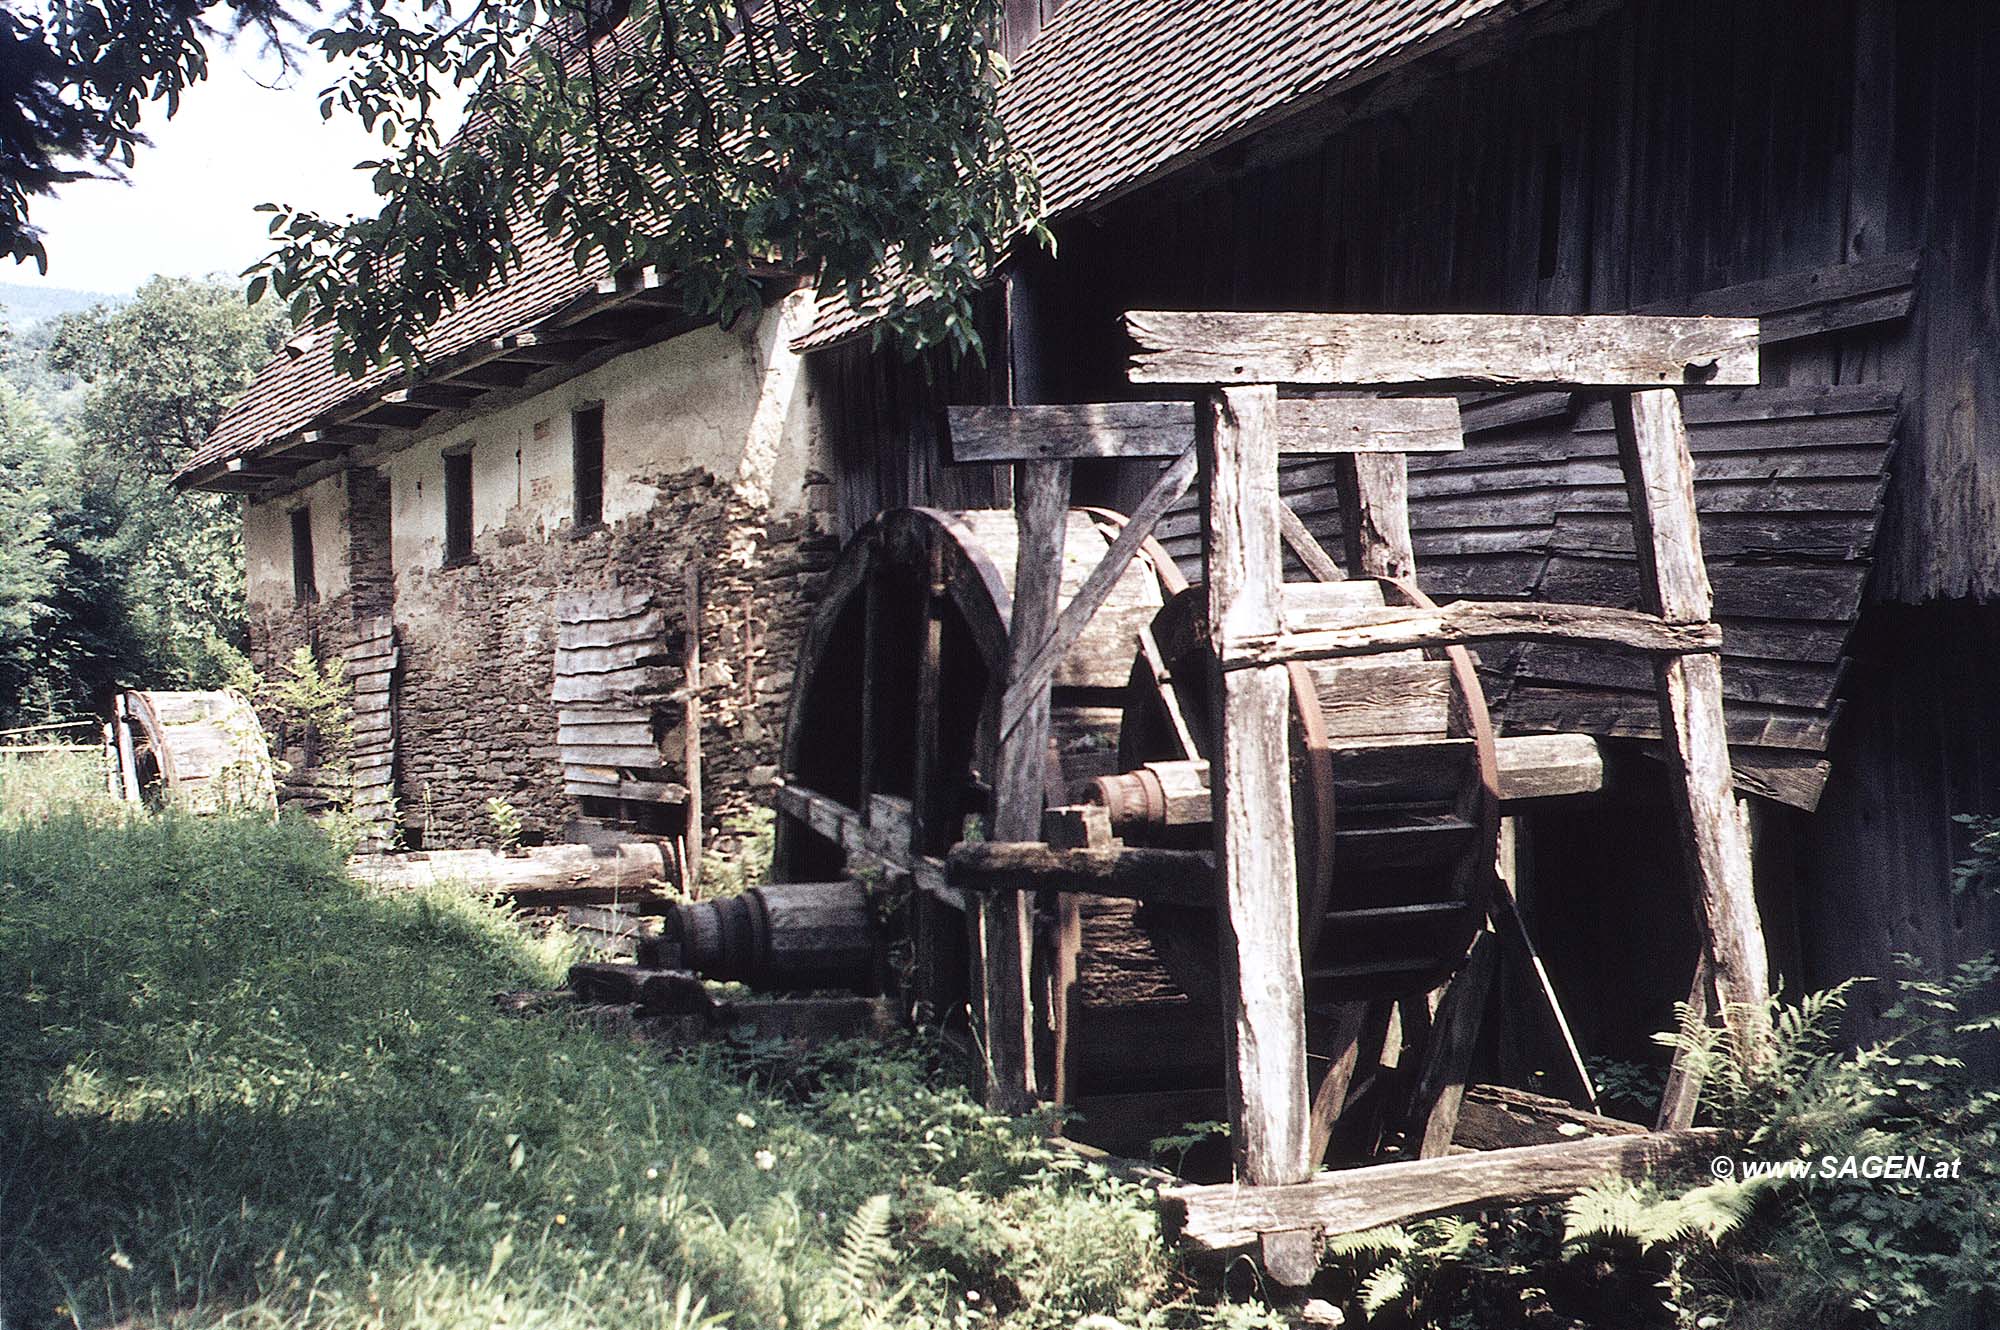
1115, 94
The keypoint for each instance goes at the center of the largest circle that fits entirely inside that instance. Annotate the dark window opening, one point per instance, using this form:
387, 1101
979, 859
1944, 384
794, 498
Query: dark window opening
305, 590
457, 507
587, 452
1552, 204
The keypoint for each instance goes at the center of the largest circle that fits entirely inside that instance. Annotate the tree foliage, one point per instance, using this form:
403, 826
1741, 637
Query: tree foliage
108, 576
32, 464
855, 142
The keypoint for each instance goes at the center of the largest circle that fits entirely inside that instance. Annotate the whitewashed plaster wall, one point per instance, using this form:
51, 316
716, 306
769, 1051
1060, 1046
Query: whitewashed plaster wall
730, 403
267, 544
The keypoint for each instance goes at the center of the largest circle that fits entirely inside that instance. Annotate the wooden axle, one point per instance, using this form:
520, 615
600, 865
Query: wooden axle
799, 937
1531, 766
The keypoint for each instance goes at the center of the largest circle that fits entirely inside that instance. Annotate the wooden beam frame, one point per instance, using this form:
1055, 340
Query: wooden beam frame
1263, 987
1166, 429
1226, 1218
1585, 351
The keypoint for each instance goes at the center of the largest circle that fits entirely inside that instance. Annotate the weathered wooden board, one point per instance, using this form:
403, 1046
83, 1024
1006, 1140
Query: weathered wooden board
1581, 350
1227, 1218
1361, 698
1166, 429
1573, 709
645, 626
1465, 622
573, 607
612, 659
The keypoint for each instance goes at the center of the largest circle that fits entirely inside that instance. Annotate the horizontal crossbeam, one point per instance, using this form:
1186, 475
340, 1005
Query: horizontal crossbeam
1227, 1217
1166, 877
1166, 429
1584, 351
1465, 622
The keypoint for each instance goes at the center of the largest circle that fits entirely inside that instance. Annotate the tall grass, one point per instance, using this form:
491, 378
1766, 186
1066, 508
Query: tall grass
239, 1089
39, 785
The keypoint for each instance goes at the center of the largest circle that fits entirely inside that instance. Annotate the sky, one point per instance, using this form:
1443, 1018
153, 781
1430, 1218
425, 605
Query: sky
189, 209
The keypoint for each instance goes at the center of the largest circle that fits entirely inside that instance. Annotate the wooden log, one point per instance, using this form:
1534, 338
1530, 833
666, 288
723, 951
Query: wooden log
1166, 877
1166, 429
1227, 1218
796, 936
1263, 989
1605, 351
1467, 622
542, 874
1006, 937
1652, 445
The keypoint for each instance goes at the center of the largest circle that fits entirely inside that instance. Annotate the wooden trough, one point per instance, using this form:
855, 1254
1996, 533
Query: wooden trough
1274, 808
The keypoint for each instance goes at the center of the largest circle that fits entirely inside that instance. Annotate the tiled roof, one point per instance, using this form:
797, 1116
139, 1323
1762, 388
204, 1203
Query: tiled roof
300, 386
293, 391
1115, 93
1111, 94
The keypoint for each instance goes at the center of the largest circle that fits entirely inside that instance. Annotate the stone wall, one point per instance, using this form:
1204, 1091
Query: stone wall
477, 719
708, 442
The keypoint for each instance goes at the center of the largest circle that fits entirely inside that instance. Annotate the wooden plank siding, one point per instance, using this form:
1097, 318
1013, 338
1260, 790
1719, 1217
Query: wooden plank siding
1661, 156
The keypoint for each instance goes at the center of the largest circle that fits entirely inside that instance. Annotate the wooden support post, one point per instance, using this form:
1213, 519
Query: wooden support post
128, 762
691, 750
1006, 923
1343, 1050
1683, 1090
1659, 475
1375, 515
931, 808
1448, 1052
1263, 989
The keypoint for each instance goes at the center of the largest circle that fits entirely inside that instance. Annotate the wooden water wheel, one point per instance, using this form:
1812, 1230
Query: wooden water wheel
1394, 791
891, 738
202, 751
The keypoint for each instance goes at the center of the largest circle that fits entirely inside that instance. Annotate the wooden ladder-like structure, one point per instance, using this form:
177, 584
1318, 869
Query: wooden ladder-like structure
1228, 441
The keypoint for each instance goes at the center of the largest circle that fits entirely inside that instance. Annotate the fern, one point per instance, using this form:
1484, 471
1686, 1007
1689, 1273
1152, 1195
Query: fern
864, 1250
1641, 1213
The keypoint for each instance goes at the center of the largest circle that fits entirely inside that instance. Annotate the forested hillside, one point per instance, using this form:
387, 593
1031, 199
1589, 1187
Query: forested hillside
108, 577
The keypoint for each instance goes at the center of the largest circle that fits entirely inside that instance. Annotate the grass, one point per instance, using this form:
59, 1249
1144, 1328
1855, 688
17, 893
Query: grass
240, 1089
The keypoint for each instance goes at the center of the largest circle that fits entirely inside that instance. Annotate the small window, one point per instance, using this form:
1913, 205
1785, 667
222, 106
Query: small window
457, 507
586, 432
305, 590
